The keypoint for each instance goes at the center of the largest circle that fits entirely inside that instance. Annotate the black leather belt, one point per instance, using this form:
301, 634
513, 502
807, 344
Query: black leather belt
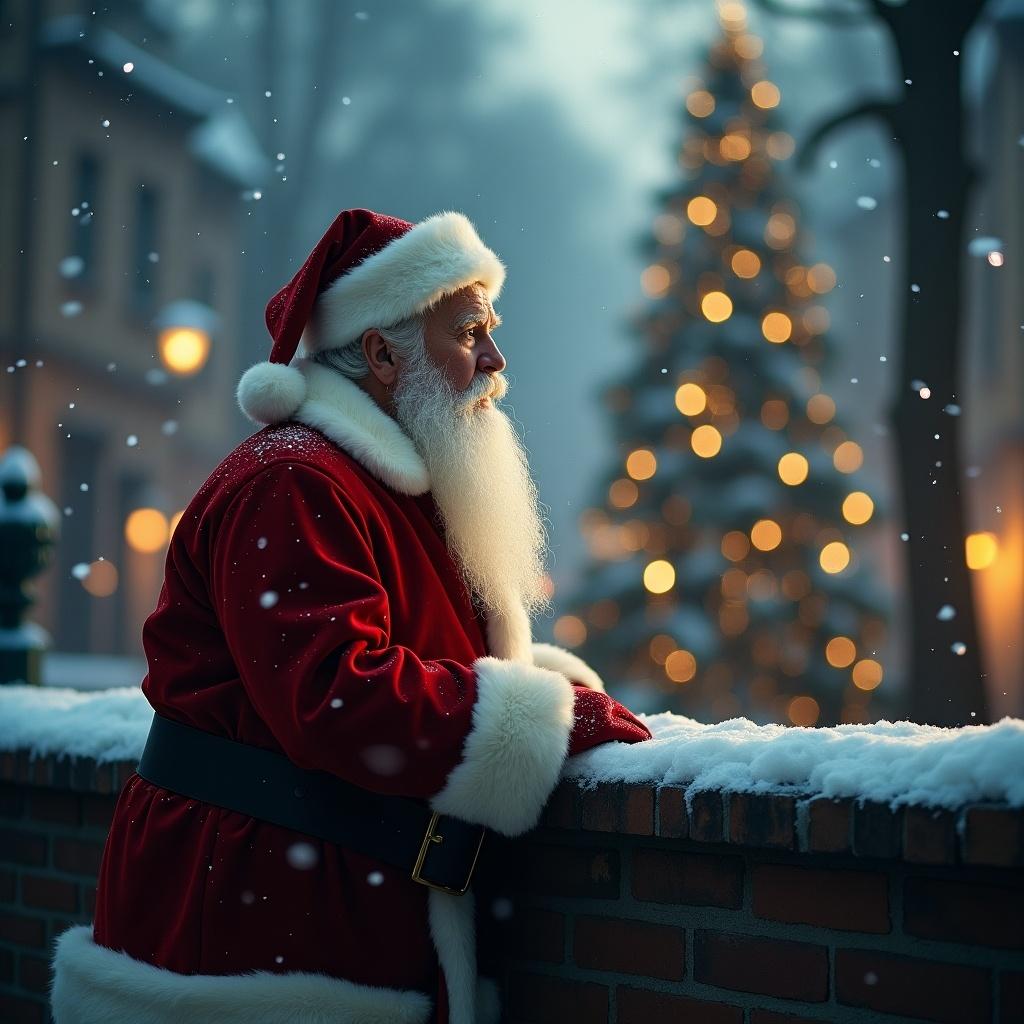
437, 850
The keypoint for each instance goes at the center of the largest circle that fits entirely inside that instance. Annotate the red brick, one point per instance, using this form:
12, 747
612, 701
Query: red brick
771, 1017
12, 801
539, 935
15, 1010
572, 871
601, 807
21, 846
994, 836
757, 819
983, 915
877, 830
638, 811
49, 893
929, 836
34, 973
6, 965
829, 826
1011, 998
673, 822
637, 1006
704, 880
562, 810
853, 901
78, 856
98, 810
773, 967
19, 930
51, 806
945, 992
539, 999
706, 817
632, 947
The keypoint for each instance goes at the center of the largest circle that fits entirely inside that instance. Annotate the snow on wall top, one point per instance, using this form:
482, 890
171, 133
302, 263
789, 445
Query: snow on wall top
896, 763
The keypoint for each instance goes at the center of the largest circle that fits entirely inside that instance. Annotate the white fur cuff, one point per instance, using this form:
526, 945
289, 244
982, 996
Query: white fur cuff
514, 752
575, 669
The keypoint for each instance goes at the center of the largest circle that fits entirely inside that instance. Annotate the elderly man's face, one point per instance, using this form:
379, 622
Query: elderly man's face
458, 337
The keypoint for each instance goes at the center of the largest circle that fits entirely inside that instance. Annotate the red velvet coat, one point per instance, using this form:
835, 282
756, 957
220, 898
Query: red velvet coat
310, 607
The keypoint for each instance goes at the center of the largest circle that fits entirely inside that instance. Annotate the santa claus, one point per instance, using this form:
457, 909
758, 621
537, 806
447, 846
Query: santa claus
347, 696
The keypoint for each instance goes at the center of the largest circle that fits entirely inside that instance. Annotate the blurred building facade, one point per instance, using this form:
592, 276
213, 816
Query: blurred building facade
120, 201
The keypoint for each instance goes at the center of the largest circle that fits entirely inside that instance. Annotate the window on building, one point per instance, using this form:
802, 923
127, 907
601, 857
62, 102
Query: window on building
145, 251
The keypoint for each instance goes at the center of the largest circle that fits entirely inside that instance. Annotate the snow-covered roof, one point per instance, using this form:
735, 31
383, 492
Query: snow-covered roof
892, 762
222, 139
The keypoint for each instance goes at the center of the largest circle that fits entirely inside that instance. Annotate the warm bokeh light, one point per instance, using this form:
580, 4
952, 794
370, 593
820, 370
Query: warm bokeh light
102, 578
858, 508
661, 646
867, 674
733, 618
732, 15
716, 307
848, 457
774, 414
659, 576
793, 468
146, 530
981, 550
701, 211
779, 230
834, 557
623, 493
780, 145
734, 583
691, 399
706, 441
765, 95
796, 584
840, 651
641, 464
734, 146
820, 408
655, 280
735, 545
680, 666
175, 519
669, 229
777, 327
748, 46
821, 278
700, 103
745, 263
570, 630
183, 350
766, 535
803, 711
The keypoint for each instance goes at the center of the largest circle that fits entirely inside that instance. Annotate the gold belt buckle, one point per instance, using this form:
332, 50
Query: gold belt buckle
432, 837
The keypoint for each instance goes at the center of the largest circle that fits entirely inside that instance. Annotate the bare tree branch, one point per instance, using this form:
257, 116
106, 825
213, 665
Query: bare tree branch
884, 109
823, 15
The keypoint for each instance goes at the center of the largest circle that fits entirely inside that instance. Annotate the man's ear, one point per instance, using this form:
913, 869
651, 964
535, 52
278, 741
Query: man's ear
379, 356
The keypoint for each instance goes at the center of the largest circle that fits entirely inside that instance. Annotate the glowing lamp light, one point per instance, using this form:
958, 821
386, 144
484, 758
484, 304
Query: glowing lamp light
706, 441
766, 535
834, 557
680, 666
777, 327
701, 211
734, 147
858, 508
659, 576
745, 263
847, 458
716, 307
867, 674
184, 331
146, 530
570, 630
691, 399
840, 651
793, 468
981, 550
765, 95
641, 464
803, 711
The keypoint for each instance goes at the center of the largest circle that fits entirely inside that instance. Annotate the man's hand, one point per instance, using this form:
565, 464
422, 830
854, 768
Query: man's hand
599, 718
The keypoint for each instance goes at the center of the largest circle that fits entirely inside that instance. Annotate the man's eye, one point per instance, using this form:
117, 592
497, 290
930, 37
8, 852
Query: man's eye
469, 332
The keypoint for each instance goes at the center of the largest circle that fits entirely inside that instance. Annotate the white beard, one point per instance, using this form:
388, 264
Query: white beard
480, 482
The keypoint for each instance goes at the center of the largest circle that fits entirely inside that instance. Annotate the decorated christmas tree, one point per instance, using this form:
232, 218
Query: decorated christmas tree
728, 574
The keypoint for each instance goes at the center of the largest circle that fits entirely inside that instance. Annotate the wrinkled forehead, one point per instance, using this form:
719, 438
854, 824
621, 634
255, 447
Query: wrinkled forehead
469, 305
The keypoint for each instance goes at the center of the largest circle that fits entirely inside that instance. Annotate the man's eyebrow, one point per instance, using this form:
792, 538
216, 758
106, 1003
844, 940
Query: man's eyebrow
475, 316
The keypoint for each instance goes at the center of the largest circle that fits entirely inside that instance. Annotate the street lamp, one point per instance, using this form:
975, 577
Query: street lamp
184, 328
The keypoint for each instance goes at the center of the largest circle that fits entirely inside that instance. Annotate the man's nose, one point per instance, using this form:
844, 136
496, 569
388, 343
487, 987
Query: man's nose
491, 360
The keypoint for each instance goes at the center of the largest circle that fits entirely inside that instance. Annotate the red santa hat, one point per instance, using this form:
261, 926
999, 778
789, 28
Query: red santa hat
369, 270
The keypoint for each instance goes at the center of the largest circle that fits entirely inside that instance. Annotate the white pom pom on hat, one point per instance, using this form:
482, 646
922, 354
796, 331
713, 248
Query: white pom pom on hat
371, 270
271, 392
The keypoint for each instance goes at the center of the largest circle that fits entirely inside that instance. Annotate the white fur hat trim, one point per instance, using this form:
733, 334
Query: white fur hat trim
271, 392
